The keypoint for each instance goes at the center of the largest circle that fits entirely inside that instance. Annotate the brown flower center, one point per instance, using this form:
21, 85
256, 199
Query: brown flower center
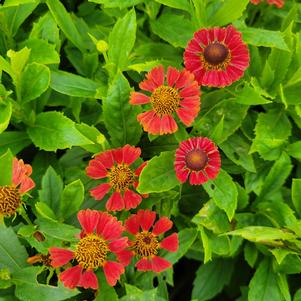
10, 200
196, 160
146, 244
216, 56
165, 100
121, 177
91, 251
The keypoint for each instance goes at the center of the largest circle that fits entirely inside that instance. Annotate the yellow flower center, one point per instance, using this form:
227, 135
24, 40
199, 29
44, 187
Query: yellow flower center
146, 244
165, 100
10, 200
91, 252
196, 160
216, 56
121, 177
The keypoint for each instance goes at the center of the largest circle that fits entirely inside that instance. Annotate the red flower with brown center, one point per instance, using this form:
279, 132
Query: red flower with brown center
99, 239
10, 196
146, 243
197, 158
278, 3
115, 165
179, 93
217, 56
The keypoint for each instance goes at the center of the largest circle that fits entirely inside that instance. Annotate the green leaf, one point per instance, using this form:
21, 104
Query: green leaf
276, 176
211, 278
18, 60
135, 294
16, 141
263, 37
179, 4
52, 131
107, 292
233, 114
74, 85
28, 288
175, 29
121, 41
72, 198
224, 193
263, 286
34, 81
6, 167
294, 150
44, 211
41, 51
297, 296
250, 254
117, 3
186, 239
296, 194
230, 11
271, 133
5, 114
251, 96
159, 174
12, 254
65, 22
52, 187
119, 116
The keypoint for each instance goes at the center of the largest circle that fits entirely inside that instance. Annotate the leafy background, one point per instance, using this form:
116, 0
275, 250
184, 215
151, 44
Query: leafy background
62, 99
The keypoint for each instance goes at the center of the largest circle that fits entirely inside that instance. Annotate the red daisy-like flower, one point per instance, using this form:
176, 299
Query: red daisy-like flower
10, 196
197, 158
278, 3
99, 239
115, 166
177, 93
146, 244
217, 56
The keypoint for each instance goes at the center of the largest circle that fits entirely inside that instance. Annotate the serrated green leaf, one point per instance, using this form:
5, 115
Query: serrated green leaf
179, 4
6, 167
5, 114
251, 96
119, 116
159, 174
52, 131
294, 150
117, 3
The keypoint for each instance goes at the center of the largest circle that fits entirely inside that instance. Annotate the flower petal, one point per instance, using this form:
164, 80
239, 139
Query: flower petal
118, 245
144, 265
172, 76
112, 271
115, 202
146, 219
124, 257
88, 219
60, 256
112, 229
140, 168
132, 224
138, 98
26, 185
105, 158
130, 154
162, 225
131, 199
96, 170
159, 264
168, 125
100, 191
88, 280
71, 277
170, 243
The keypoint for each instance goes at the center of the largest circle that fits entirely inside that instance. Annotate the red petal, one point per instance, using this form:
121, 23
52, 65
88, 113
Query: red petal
140, 168
100, 191
118, 155
131, 199
26, 185
104, 219
162, 225
157, 75
130, 154
112, 229
125, 257
88, 280
184, 79
168, 125
112, 271
172, 76
88, 219
159, 264
182, 175
145, 119
132, 224
60, 256
118, 245
197, 178
115, 202
146, 218
186, 116
96, 170
105, 158
154, 125
144, 265
71, 277
138, 98
170, 243
148, 85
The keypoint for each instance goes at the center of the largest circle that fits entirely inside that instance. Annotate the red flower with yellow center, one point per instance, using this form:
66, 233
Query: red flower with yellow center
217, 56
278, 3
10, 196
99, 240
146, 244
177, 93
197, 158
115, 166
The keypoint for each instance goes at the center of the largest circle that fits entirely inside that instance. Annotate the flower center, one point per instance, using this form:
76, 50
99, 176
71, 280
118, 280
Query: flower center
91, 252
196, 160
216, 56
10, 200
121, 177
146, 244
165, 100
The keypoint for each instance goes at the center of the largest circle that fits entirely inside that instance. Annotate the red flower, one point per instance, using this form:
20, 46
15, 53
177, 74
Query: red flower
10, 196
115, 166
179, 94
146, 244
217, 56
278, 3
100, 237
199, 158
